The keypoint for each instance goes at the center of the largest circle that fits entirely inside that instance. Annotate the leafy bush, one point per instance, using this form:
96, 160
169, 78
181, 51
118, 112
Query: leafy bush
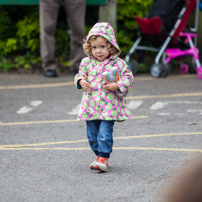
19, 36
6, 64
19, 29
28, 33
127, 26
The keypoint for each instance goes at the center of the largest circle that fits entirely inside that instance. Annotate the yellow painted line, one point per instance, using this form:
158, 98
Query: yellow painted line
158, 135
54, 121
37, 86
85, 140
158, 149
163, 96
139, 117
37, 122
72, 83
169, 77
42, 144
37, 149
114, 148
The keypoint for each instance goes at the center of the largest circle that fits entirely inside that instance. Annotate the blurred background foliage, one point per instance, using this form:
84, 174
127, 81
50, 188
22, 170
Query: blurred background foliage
19, 33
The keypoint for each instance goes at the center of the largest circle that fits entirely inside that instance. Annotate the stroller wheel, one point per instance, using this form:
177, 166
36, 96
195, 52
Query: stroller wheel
184, 68
171, 66
192, 66
165, 69
133, 66
168, 66
156, 70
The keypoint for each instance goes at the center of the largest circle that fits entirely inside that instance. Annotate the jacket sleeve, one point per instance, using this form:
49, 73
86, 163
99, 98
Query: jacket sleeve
83, 70
126, 78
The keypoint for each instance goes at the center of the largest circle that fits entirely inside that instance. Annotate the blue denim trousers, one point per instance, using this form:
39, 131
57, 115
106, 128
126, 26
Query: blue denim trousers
100, 137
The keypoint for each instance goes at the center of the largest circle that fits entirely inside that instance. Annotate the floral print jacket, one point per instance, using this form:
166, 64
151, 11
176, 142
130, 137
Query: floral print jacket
99, 103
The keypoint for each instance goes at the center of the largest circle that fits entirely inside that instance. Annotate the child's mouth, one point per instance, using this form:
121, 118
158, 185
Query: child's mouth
99, 56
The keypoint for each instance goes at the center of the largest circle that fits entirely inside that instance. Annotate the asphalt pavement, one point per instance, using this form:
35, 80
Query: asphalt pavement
45, 155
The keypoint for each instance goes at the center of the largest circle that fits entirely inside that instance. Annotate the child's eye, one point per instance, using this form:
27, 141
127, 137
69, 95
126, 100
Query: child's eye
102, 46
93, 47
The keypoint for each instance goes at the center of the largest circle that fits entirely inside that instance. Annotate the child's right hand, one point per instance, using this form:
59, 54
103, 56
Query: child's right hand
84, 83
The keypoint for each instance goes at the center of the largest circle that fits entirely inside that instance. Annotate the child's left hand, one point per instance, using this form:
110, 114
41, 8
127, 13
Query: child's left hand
111, 86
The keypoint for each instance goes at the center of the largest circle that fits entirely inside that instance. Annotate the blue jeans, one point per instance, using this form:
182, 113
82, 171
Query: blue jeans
100, 137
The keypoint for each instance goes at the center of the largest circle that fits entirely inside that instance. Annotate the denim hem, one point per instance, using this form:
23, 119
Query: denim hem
105, 155
96, 153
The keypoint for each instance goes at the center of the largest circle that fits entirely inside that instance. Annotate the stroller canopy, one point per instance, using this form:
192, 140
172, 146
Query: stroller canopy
167, 10
163, 14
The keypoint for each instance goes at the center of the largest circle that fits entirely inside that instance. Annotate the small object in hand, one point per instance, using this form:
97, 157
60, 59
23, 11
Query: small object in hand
113, 76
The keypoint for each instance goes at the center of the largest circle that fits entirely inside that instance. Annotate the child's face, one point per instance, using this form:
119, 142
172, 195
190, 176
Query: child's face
99, 48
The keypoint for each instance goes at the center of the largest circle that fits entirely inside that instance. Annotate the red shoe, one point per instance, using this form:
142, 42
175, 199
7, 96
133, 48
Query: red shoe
92, 165
102, 164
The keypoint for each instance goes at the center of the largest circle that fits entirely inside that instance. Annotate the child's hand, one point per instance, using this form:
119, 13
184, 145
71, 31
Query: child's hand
84, 83
111, 86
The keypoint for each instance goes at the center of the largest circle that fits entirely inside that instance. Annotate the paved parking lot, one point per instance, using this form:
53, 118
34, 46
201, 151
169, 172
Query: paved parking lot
45, 155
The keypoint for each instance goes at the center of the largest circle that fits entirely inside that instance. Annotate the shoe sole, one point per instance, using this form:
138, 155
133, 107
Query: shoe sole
103, 170
97, 167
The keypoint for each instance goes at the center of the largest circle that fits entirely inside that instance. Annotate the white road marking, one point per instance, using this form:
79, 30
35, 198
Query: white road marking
195, 110
75, 110
164, 114
158, 105
134, 104
185, 102
35, 103
26, 109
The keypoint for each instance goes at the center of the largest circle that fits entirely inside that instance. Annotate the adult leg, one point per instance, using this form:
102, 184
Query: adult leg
92, 132
48, 20
75, 10
105, 138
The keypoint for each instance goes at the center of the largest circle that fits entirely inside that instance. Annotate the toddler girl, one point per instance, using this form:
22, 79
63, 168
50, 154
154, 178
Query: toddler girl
100, 106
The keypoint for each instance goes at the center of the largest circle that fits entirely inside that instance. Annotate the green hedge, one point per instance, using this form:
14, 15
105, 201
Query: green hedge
127, 26
19, 32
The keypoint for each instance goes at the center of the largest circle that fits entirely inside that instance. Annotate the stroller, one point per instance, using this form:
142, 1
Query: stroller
163, 30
